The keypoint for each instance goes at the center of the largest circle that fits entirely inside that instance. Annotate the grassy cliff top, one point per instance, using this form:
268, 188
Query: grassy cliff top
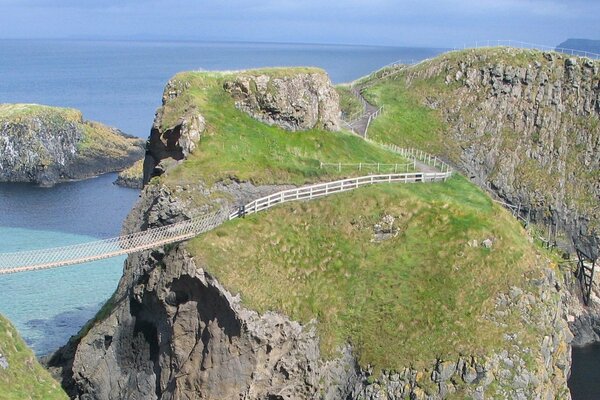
422, 293
17, 112
25, 378
96, 139
428, 107
234, 145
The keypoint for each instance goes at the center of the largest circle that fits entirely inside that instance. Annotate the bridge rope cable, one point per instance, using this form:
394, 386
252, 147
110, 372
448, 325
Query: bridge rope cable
40, 259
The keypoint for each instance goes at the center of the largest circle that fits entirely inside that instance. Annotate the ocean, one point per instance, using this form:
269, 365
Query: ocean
120, 83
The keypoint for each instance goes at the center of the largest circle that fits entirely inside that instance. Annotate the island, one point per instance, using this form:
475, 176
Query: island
46, 145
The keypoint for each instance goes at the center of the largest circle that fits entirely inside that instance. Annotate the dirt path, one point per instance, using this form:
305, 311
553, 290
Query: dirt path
360, 126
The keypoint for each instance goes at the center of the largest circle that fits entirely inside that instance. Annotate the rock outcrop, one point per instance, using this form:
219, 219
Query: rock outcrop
46, 145
295, 101
169, 145
174, 332
132, 177
527, 126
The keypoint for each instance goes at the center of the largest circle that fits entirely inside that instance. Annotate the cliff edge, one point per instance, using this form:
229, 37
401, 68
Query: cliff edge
46, 145
522, 123
383, 292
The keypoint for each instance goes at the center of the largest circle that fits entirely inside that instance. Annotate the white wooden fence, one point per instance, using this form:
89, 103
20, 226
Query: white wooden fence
41, 259
344, 185
379, 167
418, 155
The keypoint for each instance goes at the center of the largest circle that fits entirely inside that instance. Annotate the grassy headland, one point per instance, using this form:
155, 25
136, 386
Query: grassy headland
421, 294
237, 146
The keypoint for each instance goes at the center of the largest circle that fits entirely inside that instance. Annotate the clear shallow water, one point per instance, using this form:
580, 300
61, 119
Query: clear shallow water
49, 306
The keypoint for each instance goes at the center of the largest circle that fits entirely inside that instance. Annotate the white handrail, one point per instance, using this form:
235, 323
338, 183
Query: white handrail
34, 260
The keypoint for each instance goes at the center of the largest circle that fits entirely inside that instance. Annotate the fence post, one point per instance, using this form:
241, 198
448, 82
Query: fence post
360, 166
340, 167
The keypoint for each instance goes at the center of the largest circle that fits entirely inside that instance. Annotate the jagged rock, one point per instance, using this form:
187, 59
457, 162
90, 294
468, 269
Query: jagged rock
3, 362
487, 243
293, 101
47, 145
528, 132
166, 147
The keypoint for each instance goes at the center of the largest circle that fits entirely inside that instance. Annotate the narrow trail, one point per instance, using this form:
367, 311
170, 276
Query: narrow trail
360, 126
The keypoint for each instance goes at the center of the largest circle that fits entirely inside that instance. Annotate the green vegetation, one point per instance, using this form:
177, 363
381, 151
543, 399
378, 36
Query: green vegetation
351, 107
419, 295
405, 121
236, 146
98, 140
102, 141
14, 112
135, 172
25, 378
422, 110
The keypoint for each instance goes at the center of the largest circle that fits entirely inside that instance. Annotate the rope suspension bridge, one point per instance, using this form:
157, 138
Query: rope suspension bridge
35, 260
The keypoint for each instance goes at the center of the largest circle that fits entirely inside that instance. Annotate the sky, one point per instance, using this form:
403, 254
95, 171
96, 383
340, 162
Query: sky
430, 23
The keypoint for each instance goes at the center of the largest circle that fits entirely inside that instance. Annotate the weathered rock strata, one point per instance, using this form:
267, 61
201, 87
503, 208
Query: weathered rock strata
46, 145
528, 127
296, 102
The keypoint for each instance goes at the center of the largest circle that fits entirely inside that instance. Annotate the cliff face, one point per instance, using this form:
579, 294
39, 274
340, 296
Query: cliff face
46, 145
527, 126
174, 331
296, 102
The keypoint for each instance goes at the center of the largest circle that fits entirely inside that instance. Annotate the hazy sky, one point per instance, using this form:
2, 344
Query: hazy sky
444, 23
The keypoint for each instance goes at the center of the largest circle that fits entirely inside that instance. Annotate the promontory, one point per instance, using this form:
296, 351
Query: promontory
46, 145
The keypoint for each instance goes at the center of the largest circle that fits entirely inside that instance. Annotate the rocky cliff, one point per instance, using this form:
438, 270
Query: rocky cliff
173, 331
176, 328
525, 124
46, 145
297, 101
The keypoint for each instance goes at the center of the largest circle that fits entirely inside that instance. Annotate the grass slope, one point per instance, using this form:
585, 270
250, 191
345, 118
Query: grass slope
407, 122
25, 378
351, 107
237, 146
420, 295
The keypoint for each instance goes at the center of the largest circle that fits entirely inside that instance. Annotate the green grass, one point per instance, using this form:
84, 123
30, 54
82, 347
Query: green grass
405, 301
101, 141
14, 112
351, 107
409, 122
25, 378
405, 121
236, 146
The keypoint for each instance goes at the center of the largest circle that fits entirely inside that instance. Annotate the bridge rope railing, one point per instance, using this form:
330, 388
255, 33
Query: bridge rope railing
40, 259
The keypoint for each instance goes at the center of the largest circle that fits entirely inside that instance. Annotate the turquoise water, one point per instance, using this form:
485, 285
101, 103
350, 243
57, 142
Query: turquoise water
49, 306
